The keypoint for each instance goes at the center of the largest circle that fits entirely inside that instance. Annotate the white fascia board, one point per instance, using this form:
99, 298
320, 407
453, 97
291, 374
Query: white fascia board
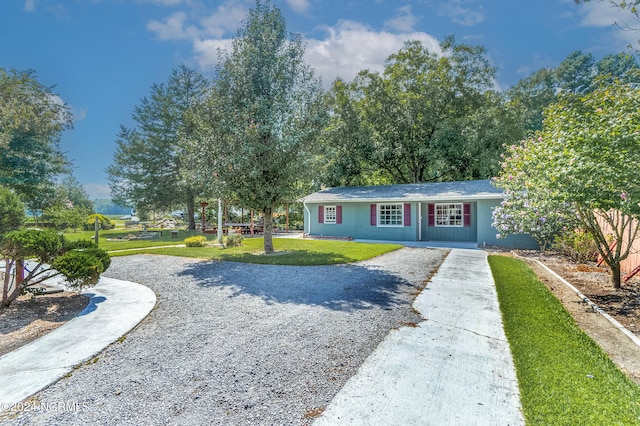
407, 200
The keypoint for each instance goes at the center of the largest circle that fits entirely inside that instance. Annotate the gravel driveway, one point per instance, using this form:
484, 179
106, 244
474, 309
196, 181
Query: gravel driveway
232, 343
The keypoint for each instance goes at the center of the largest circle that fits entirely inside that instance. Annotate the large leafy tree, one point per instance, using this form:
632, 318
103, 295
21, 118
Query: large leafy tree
586, 157
260, 127
428, 116
32, 119
150, 158
578, 73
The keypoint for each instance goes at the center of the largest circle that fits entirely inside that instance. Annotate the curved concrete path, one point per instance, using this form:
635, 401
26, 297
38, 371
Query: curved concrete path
115, 307
454, 368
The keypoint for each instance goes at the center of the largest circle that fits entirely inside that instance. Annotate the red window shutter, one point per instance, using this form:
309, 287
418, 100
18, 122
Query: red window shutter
407, 214
466, 214
374, 219
338, 214
431, 212
320, 214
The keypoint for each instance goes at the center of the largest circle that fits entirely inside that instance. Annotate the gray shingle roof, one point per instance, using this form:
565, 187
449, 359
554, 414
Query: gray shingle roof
445, 191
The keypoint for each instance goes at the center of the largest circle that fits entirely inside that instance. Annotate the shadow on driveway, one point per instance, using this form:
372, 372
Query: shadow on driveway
340, 287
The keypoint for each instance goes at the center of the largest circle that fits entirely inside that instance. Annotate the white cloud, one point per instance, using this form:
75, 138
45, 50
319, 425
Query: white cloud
351, 47
172, 28
30, 6
461, 14
347, 47
299, 6
227, 19
206, 51
403, 21
624, 26
98, 190
597, 14
79, 113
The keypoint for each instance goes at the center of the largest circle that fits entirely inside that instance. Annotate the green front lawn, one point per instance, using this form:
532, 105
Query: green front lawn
288, 252
165, 239
563, 375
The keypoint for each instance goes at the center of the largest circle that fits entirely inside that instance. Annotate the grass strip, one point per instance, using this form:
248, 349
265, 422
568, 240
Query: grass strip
115, 244
563, 375
288, 252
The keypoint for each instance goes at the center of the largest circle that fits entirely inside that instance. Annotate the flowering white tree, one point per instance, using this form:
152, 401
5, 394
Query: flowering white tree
527, 208
585, 159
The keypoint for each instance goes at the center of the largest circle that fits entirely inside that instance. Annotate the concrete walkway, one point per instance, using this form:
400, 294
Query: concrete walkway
115, 307
455, 368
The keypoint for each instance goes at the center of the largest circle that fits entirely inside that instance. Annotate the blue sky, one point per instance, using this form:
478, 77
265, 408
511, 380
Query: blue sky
104, 55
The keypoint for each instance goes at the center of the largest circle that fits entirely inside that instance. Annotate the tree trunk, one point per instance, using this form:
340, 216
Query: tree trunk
268, 231
5, 284
615, 275
10, 296
191, 213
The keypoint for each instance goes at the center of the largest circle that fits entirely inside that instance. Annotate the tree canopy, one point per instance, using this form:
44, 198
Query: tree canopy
586, 157
32, 120
428, 116
149, 164
578, 73
260, 126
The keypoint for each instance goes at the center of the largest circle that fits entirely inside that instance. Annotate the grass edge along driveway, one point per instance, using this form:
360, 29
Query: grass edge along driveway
288, 252
563, 375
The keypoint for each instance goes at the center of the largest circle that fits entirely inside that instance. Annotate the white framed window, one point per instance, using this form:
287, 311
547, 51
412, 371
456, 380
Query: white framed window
390, 214
330, 214
449, 215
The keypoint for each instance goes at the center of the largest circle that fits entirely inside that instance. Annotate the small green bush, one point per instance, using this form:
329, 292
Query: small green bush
234, 240
79, 267
578, 245
196, 241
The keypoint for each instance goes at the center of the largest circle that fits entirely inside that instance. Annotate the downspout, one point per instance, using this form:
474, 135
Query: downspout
419, 221
309, 216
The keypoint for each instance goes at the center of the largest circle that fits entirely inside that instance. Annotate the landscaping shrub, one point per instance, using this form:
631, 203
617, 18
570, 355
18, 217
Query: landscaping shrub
103, 222
79, 267
578, 245
196, 241
234, 240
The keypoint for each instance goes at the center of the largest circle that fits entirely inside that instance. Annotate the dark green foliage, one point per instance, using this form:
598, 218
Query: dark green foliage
79, 267
564, 377
427, 117
44, 245
80, 262
11, 211
578, 74
150, 165
259, 129
31, 124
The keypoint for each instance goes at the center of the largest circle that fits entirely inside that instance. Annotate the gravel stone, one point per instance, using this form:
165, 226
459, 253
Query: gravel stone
235, 343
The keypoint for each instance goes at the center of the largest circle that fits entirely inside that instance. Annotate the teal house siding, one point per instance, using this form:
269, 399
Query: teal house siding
488, 235
409, 212
356, 223
431, 232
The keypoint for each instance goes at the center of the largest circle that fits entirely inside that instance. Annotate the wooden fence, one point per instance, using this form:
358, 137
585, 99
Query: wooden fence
632, 262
